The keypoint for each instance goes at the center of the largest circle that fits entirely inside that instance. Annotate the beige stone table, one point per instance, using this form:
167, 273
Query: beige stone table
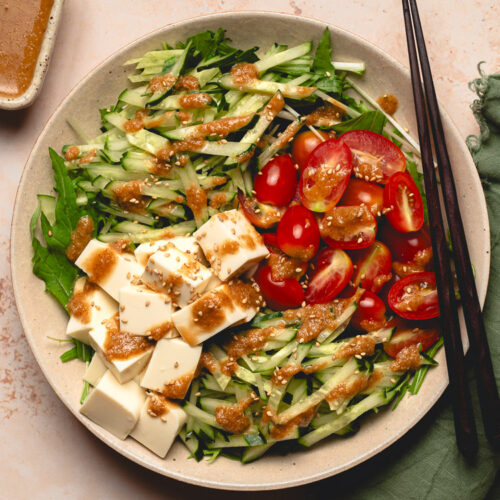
46, 453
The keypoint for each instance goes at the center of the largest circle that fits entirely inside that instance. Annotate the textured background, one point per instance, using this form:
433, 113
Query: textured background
46, 453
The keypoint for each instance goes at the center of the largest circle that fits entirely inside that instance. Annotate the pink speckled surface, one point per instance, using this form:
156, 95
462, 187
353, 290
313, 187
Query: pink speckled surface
42, 444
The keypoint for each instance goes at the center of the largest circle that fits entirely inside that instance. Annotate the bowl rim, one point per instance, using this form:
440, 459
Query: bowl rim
98, 431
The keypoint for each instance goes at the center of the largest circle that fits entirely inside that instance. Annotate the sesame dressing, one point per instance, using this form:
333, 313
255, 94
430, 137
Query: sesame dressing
120, 345
244, 73
80, 237
200, 100
177, 389
232, 418
157, 405
347, 223
407, 358
129, 196
79, 306
101, 264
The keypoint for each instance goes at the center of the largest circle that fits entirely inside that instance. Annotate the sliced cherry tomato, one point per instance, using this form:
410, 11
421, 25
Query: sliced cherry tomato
404, 246
276, 183
270, 240
260, 214
298, 233
360, 192
373, 267
415, 296
403, 203
279, 295
348, 227
370, 314
326, 176
375, 158
332, 272
407, 334
303, 146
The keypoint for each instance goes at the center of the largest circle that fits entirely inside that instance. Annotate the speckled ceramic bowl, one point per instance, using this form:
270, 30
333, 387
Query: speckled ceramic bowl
41, 316
30, 94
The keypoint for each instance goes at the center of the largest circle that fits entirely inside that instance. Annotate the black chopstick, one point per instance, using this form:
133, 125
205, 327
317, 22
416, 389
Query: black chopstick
486, 384
465, 428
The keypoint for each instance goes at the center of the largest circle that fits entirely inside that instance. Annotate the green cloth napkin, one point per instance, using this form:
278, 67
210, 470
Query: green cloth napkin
426, 464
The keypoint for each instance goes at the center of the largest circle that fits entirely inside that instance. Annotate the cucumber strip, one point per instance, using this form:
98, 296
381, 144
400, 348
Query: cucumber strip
147, 141
255, 379
143, 219
134, 97
192, 444
205, 75
201, 415
278, 357
112, 172
237, 441
146, 234
251, 453
292, 91
211, 404
319, 395
139, 161
342, 322
175, 71
352, 413
253, 135
283, 57
155, 56
48, 207
192, 187
280, 143
164, 208
222, 379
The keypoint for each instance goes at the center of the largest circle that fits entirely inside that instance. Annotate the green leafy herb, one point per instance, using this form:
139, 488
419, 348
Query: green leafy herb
80, 351
85, 392
371, 120
322, 62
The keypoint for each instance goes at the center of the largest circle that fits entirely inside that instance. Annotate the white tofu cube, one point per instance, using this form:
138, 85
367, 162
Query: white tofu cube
177, 274
230, 243
109, 268
159, 423
125, 355
145, 312
187, 244
95, 370
114, 406
172, 368
88, 306
210, 314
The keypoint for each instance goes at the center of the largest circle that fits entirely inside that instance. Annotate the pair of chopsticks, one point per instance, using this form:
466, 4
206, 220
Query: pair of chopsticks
427, 108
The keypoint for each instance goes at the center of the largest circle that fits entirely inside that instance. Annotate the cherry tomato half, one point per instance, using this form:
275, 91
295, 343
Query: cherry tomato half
303, 146
359, 192
375, 158
276, 183
348, 227
407, 334
279, 295
326, 176
260, 214
373, 267
332, 272
404, 246
298, 233
403, 203
415, 296
370, 314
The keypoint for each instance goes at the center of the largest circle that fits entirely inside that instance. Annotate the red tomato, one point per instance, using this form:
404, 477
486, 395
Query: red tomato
304, 144
298, 233
406, 335
359, 192
279, 295
403, 203
370, 314
373, 267
276, 183
260, 214
375, 158
332, 272
348, 227
326, 176
404, 246
270, 240
415, 296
